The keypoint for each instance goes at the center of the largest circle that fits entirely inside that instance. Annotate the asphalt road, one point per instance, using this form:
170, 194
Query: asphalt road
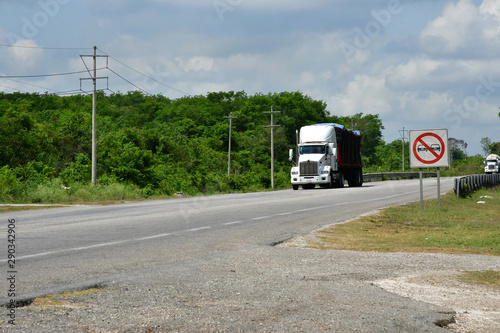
61, 246
149, 247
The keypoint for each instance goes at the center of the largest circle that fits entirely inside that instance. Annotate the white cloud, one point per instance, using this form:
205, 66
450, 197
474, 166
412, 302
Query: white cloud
416, 71
449, 32
429, 107
364, 94
25, 54
490, 7
196, 64
464, 29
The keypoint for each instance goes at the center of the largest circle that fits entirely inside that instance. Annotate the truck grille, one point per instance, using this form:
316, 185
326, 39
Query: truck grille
490, 167
308, 168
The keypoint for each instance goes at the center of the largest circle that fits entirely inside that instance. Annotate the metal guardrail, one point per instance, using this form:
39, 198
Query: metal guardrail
396, 175
463, 185
471, 183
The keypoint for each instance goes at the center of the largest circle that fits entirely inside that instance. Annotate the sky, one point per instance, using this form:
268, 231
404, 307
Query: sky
418, 64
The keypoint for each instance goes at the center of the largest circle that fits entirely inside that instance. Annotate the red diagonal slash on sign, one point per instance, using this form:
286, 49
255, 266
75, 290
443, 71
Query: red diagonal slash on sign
421, 141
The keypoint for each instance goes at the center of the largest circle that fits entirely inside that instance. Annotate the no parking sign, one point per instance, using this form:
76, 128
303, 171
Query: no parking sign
429, 148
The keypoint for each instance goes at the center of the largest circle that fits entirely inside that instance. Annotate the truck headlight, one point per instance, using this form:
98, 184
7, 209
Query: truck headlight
295, 173
325, 172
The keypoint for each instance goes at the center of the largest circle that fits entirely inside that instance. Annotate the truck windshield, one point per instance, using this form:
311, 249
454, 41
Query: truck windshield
312, 150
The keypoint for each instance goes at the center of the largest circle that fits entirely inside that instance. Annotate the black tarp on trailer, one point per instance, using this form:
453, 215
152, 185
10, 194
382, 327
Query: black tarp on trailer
349, 148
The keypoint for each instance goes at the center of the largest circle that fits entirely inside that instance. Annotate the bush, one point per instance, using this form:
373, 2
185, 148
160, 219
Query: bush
48, 192
10, 185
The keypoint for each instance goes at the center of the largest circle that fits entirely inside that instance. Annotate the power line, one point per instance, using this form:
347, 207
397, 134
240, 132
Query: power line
145, 75
1, 85
29, 84
42, 75
124, 79
45, 48
10, 77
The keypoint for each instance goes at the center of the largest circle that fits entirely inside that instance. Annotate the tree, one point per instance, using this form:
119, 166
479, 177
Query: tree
457, 148
485, 145
490, 147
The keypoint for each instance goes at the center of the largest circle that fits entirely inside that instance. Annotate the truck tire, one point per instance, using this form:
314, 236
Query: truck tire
356, 178
340, 180
360, 177
295, 187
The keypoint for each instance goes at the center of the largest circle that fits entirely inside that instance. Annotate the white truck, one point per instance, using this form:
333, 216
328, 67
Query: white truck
328, 154
492, 163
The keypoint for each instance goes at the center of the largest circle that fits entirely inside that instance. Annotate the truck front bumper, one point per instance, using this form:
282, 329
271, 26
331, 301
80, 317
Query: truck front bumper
306, 180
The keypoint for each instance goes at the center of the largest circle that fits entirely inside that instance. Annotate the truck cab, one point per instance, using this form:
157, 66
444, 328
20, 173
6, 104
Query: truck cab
314, 164
492, 164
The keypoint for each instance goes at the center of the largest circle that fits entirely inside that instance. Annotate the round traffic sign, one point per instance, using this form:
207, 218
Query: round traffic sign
426, 147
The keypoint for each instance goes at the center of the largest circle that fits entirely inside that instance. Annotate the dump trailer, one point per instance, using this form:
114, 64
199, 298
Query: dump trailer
492, 163
328, 154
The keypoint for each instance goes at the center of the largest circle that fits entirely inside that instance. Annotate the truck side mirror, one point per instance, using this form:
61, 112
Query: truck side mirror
290, 154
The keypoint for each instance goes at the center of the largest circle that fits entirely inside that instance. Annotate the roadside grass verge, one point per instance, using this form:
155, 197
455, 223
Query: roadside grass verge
462, 226
489, 279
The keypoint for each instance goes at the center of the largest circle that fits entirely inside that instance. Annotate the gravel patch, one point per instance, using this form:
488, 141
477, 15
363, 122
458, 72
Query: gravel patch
264, 289
477, 307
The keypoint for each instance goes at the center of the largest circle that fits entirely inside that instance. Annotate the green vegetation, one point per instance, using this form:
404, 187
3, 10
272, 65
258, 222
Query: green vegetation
461, 226
149, 146
153, 146
484, 278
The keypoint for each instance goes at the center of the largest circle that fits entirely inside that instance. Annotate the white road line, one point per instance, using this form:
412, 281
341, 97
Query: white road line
153, 237
43, 254
197, 229
235, 222
260, 218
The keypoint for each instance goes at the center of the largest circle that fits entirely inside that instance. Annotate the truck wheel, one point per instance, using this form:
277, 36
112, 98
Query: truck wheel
295, 187
356, 178
332, 182
340, 180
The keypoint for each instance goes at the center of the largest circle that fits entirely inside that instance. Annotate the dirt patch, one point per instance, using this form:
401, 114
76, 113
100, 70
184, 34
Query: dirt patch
477, 307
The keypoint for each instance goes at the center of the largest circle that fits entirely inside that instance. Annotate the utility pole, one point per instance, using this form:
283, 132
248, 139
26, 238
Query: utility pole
272, 143
94, 78
229, 150
403, 135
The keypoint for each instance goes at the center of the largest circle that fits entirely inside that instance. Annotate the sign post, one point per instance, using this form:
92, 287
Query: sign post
429, 149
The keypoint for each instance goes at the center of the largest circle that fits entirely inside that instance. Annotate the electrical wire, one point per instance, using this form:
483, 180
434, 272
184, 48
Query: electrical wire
144, 91
29, 84
45, 48
11, 77
147, 76
15, 89
43, 75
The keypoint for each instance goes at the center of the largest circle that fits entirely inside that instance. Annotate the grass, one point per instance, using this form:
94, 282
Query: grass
462, 226
484, 278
